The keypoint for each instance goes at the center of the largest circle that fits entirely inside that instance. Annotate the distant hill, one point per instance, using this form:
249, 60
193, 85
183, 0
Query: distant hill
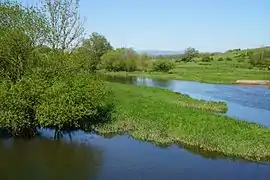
159, 52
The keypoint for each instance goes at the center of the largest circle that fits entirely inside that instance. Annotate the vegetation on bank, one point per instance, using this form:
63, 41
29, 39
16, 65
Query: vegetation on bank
201, 73
44, 82
228, 67
165, 117
205, 67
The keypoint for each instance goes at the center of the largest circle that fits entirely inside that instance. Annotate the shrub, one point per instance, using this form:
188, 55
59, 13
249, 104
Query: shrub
75, 103
17, 106
207, 59
220, 59
228, 59
120, 60
15, 53
163, 65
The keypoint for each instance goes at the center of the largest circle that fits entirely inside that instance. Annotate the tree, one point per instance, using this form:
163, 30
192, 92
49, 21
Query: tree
121, 59
93, 48
163, 65
65, 28
26, 19
15, 52
190, 53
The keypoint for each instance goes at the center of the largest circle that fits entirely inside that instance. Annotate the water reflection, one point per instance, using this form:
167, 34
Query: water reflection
251, 103
91, 156
46, 159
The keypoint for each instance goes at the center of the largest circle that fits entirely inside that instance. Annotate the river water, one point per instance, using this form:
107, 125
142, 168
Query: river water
89, 156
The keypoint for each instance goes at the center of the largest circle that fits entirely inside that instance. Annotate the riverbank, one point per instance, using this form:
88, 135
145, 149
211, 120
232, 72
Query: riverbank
202, 74
165, 117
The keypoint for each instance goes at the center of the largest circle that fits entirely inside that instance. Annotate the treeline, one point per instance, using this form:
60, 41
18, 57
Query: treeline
259, 57
43, 81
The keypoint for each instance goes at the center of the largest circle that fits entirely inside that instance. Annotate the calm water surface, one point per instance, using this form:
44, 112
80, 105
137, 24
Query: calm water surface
89, 156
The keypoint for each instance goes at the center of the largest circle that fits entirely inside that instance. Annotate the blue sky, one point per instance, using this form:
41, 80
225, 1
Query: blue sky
208, 25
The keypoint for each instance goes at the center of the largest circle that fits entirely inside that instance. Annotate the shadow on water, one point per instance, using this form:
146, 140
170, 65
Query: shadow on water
93, 157
45, 159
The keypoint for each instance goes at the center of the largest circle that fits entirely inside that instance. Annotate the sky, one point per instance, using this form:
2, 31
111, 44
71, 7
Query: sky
207, 25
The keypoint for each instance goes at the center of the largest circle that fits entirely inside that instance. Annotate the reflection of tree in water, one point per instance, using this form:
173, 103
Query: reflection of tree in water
45, 159
120, 79
161, 83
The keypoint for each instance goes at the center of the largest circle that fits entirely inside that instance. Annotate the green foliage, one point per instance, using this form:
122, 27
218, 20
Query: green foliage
207, 59
121, 59
75, 103
92, 50
144, 62
45, 86
15, 53
64, 26
228, 59
17, 106
190, 54
260, 58
163, 65
25, 19
220, 59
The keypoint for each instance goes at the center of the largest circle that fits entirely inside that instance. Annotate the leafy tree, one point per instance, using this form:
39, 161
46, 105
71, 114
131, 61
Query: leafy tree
163, 65
93, 48
65, 28
76, 102
121, 59
15, 54
260, 58
144, 61
190, 54
26, 19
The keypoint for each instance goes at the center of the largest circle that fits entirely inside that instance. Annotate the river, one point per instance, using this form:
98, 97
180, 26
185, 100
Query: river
89, 156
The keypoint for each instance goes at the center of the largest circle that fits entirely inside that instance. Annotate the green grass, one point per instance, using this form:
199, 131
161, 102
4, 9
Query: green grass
165, 117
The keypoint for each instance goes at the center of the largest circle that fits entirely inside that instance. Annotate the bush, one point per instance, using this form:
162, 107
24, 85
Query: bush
17, 106
260, 58
163, 65
120, 60
228, 59
75, 103
207, 59
220, 59
15, 53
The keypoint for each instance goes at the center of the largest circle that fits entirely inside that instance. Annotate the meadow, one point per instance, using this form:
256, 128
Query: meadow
164, 118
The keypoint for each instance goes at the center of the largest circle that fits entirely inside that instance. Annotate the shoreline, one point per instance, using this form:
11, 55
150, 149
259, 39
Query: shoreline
175, 77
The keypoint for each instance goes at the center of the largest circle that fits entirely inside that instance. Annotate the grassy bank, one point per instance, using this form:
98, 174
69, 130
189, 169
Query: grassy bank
203, 73
165, 117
